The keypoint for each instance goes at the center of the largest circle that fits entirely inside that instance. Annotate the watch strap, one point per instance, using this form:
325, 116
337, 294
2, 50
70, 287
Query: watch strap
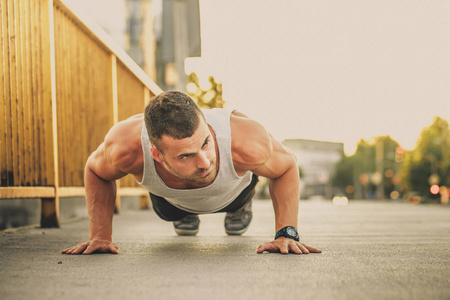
285, 233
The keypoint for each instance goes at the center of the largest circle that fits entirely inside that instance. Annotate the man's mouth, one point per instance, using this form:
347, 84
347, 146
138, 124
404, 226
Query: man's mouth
204, 173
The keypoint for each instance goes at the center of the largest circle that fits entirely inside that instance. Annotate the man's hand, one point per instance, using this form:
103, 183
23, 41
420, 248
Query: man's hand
285, 245
93, 246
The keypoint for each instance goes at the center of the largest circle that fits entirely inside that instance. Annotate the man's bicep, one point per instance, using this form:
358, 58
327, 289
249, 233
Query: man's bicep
103, 167
277, 163
254, 149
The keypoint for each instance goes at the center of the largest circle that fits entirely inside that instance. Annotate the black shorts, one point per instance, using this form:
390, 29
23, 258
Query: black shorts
168, 212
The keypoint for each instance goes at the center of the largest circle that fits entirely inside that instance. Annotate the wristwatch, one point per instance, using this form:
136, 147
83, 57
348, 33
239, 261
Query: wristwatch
289, 232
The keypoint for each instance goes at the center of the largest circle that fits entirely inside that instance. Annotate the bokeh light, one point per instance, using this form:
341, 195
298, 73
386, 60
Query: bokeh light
376, 178
389, 173
396, 180
399, 153
395, 195
364, 179
434, 189
349, 189
340, 200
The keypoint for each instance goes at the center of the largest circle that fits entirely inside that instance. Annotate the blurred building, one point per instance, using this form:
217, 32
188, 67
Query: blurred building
317, 160
177, 34
158, 34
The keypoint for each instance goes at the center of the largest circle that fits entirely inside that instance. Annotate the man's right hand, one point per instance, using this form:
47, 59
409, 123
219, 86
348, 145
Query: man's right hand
103, 246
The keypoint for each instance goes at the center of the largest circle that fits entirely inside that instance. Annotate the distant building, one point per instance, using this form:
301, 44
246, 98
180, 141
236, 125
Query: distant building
317, 160
177, 35
130, 24
157, 34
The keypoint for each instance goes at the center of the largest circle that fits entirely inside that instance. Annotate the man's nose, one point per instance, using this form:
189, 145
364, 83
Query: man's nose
202, 160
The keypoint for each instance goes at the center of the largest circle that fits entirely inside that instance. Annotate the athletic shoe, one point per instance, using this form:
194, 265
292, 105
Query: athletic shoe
187, 226
237, 223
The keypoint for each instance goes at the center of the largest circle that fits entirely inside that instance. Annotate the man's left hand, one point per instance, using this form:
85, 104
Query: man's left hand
285, 245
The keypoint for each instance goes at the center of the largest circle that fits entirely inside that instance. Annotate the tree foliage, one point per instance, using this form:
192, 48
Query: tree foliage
431, 156
359, 171
403, 171
208, 97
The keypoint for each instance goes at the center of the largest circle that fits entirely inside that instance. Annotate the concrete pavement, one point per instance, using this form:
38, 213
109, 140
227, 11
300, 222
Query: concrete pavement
371, 250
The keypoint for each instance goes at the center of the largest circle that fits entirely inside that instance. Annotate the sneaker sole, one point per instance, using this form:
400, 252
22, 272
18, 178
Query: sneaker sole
236, 232
186, 232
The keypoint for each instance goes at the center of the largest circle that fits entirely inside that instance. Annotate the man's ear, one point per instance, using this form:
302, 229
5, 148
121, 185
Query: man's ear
156, 154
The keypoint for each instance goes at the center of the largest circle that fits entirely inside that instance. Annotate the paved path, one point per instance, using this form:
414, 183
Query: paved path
371, 251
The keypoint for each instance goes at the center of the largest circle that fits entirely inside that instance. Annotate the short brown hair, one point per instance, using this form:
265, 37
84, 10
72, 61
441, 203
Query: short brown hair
172, 113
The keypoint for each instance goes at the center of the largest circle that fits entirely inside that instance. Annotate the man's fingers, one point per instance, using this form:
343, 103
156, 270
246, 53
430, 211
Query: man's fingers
76, 249
312, 249
303, 248
114, 249
285, 248
270, 247
91, 248
70, 250
261, 248
295, 248
110, 247
267, 247
65, 251
79, 249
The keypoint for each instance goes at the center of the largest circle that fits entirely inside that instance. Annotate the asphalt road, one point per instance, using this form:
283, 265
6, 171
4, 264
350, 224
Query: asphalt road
371, 250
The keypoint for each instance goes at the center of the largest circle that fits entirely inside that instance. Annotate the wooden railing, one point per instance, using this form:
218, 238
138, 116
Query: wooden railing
64, 83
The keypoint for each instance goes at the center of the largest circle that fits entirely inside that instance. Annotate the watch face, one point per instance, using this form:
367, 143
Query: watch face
291, 231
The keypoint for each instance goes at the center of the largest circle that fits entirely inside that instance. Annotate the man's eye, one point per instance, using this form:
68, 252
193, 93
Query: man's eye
206, 143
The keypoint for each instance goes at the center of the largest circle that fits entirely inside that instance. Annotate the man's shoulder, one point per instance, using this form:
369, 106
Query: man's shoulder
250, 142
118, 131
123, 143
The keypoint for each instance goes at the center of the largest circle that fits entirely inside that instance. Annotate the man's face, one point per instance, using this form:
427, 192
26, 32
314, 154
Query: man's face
192, 159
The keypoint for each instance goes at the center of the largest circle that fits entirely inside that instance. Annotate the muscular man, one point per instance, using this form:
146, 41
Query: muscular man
192, 162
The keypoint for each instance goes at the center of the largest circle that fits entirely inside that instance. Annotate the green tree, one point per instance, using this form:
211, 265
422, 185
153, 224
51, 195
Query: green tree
344, 173
430, 158
359, 170
350, 169
205, 98
300, 171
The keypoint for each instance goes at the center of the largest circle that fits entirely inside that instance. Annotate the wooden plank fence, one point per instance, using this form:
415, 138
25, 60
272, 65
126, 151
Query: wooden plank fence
64, 83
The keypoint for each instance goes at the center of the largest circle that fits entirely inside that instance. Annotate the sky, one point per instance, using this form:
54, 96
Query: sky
330, 70
325, 69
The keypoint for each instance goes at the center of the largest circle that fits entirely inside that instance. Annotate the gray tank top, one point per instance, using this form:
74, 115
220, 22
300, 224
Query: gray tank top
214, 197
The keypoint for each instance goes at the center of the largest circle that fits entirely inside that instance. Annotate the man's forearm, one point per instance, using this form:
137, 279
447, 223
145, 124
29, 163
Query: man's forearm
100, 201
285, 193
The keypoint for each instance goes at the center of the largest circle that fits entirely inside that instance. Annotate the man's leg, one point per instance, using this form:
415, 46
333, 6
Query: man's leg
239, 212
185, 223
